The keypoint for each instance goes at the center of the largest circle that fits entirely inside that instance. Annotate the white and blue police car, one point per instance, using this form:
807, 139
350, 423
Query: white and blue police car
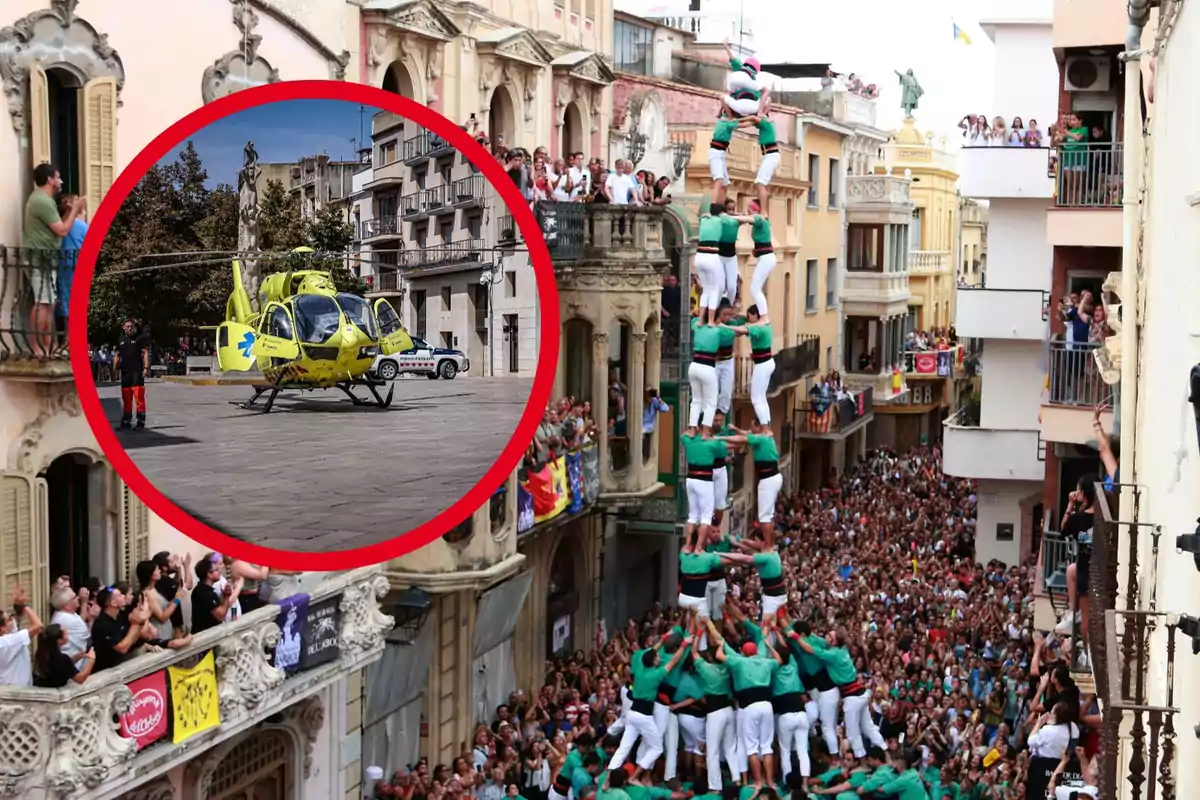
422, 359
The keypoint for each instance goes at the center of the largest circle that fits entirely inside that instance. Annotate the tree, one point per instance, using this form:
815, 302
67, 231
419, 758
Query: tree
330, 232
280, 222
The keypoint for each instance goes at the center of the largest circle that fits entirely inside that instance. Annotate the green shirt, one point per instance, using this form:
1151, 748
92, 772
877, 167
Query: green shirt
572, 762
40, 214
714, 678
646, 682
698, 563
879, 777
809, 663
838, 664
706, 338
770, 566
698, 451
612, 794
752, 631
723, 130
766, 133
689, 687
728, 337
730, 228
907, 786
761, 337
581, 778
721, 545
720, 450
787, 679
750, 672
829, 777
762, 445
711, 228
636, 792
760, 230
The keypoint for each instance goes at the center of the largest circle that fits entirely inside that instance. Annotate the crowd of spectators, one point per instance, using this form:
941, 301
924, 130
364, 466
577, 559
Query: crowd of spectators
851, 83
884, 554
94, 627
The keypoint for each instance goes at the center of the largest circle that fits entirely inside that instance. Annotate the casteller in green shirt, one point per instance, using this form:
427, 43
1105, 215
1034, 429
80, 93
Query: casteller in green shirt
723, 134
769, 565
766, 135
714, 678
879, 777
762, 445
838, 664
706, 339
636, 792
646, 681
760, 231
698, 451
40, 214
711, 228
761, 338
698, 563
750, 672
907, 786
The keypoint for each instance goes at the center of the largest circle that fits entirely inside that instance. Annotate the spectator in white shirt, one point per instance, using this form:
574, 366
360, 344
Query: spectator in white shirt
621, 187
16, 669
580, 177
66, 616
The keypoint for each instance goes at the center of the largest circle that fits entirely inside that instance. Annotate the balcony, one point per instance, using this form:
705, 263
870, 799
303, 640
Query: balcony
412, 205
1050, 580
423, 146
1087, 198
842, 106
379, 229
878, 200
507, 231
1016, 314
467, 192
1007, 172
436, 201
1076, 387
884, 390
792, 365
834, 421
875, 293
581, 232
65, 743
31, 283
929, 262
933, 364
989, 454
469, 254
387, 176
1089, 23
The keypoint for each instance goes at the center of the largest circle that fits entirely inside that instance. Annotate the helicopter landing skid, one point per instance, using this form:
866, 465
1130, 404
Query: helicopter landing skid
259, 391
348, 388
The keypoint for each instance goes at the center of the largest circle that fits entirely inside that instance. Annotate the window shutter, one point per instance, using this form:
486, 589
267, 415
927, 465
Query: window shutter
135, 533
98, 138
39, 120
23, 539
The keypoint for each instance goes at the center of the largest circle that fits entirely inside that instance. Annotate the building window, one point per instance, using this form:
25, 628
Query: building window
448, 340
510, 284
445, 298
810, 286
387, 153
914, 230
834, 180
831, 282
632, 48
814, 178
829, 365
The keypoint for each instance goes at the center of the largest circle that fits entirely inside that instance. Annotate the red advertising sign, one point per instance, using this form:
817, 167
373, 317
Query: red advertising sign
925, 363
147, 717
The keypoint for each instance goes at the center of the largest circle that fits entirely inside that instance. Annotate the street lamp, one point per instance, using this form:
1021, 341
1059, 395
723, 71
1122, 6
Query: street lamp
683, 155
489, 277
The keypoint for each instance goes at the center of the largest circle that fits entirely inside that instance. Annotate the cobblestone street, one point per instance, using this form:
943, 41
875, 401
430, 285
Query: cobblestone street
318, 473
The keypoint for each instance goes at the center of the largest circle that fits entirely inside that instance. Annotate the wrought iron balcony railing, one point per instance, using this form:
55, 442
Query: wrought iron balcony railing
384, 226
816, 419
466, 254
35, 294
1075, 378
424, 145
466, 191
412, 204
1089, 175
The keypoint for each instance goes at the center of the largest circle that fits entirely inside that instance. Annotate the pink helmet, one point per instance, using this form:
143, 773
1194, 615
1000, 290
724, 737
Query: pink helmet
752, 63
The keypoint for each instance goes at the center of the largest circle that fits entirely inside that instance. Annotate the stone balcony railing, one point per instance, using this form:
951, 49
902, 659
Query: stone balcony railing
67, 743
928, 262
578, 233
886, 190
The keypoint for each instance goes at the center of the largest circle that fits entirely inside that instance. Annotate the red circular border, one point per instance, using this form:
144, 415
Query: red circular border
404, 542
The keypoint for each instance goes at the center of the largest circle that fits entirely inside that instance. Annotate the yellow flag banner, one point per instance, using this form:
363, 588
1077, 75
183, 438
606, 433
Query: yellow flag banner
195, 706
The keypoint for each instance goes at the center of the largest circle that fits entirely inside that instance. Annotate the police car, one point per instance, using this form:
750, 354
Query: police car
422, 359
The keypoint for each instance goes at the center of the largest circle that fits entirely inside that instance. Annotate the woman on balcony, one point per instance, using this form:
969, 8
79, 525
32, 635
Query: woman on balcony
758, 330
54, 669
1077, 525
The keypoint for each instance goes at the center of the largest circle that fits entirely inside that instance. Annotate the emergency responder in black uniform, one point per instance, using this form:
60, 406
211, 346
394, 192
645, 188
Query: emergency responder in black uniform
133, 365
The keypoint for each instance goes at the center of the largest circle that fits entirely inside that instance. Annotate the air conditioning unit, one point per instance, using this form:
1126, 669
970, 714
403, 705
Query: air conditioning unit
1088, 74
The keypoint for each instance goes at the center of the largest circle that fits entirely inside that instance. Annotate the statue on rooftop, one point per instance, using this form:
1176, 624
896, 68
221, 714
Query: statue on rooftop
910, 92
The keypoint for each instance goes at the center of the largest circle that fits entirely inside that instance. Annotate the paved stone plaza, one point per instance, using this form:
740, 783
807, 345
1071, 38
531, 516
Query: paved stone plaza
318, 473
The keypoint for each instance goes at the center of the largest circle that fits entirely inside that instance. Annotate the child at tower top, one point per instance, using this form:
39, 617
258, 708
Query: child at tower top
746, 97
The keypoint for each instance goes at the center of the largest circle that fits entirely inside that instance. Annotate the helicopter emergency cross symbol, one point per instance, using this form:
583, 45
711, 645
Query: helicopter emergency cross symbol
246, 344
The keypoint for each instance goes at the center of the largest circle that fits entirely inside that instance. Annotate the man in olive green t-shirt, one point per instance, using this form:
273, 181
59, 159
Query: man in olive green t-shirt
42, 232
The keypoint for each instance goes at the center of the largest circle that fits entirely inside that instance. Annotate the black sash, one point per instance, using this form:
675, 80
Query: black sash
700, 473
727, 249
755, 694
820, 681
788, 703
773, 586
715, 702
762, 250
761, 356
693, 585
766, 469
643, 707
707, 359
715, 145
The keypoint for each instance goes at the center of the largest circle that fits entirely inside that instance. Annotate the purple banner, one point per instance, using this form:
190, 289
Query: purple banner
293, 613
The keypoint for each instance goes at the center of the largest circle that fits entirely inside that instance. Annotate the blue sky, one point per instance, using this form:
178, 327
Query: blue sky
281, 132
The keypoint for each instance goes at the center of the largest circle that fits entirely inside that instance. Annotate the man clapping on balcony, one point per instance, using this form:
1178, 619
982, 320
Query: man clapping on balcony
15, 668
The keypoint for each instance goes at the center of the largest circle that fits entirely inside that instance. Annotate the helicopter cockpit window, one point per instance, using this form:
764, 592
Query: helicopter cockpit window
317, 317
359, 313
389, 320
280, 324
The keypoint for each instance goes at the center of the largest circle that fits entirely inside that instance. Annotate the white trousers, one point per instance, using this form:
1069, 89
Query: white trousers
671, 745
638, 725
767, 168
718, 165
743, 108
724, 385
768, 493
762, 271
729, 272
626, 706
711, 275
857, 710
700, 501
793, 738
703, 380
756, 729
662, 723
772, 603
693, 733
716, 599
699, 603
738, 80
760, 379
721, 488
827, 710
720, 733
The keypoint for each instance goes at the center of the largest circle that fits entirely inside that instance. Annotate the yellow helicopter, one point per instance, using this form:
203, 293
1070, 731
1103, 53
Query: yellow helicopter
307, 336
